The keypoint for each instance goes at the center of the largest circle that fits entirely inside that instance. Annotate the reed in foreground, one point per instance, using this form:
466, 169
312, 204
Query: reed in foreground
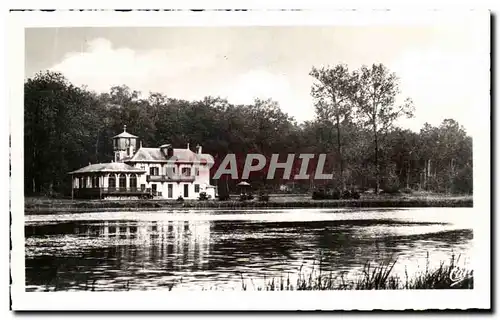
372, 277
378, 277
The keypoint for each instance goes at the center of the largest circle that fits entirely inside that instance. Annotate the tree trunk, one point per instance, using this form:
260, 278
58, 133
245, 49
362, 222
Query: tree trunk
339, 148
34, 169
377, 170
408, 176
424, 173
429, 168
450, 186
97, 147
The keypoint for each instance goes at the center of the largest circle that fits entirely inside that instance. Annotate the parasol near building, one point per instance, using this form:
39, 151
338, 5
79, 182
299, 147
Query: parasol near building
243, 184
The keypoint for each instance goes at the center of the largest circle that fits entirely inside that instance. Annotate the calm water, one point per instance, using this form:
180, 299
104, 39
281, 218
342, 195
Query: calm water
207, 249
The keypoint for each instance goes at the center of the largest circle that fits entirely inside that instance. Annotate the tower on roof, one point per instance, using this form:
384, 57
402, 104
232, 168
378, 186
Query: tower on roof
124, 145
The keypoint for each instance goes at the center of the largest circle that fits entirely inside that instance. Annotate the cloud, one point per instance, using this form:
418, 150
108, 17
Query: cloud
263, 84
440, 76
176, 72
100, 66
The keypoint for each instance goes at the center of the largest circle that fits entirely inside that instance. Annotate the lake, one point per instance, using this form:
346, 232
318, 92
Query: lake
216, 249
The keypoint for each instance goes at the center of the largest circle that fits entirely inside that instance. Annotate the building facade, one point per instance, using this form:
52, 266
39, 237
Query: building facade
136, 172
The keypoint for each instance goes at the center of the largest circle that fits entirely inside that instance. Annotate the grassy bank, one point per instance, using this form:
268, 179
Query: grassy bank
47, 206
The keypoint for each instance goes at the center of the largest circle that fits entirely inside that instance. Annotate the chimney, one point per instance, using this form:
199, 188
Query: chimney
187, 146
198, 149
140, 144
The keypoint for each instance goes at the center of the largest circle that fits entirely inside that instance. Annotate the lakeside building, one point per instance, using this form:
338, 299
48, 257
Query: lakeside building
163, 172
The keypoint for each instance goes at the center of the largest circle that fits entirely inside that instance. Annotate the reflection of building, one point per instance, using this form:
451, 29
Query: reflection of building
163, 172
174, 243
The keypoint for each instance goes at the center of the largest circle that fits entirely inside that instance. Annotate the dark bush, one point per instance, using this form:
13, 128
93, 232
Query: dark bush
263, 197
203, 196
462, 181
407, 190
355, 194
180, 199
346, 194
336, 194
322, 194
245, 197
391, 190
223, 197
319, 195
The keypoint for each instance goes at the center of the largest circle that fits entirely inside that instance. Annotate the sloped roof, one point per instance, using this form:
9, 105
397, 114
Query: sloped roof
108, 167
186, 155
179, 154
125, 134
148, 154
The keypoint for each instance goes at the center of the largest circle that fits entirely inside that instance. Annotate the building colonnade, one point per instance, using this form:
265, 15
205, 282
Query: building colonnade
108, 180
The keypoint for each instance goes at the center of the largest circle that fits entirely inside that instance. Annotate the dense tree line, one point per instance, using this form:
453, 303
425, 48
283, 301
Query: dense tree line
67, 127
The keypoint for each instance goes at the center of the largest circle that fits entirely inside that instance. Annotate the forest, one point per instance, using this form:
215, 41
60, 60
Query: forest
67, 127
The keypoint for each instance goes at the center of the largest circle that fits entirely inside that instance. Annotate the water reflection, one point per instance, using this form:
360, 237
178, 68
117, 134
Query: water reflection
137, 254
74, 255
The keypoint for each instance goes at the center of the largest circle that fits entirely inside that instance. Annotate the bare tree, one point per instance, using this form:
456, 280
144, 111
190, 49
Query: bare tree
375, 97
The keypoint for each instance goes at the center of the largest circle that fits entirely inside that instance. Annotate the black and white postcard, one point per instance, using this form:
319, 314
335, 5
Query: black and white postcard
250, 160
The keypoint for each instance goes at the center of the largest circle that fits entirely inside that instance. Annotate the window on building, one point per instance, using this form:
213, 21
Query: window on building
197, 171
197, 188
95, 182
143, 187
154, 171
123, 181
186, 171
186, 190
133, 181
112, 181
81, 182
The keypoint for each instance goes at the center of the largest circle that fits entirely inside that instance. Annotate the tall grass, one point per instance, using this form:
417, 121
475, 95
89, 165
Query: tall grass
374, 277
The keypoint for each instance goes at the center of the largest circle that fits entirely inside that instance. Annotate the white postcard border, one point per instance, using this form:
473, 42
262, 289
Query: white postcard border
479, 297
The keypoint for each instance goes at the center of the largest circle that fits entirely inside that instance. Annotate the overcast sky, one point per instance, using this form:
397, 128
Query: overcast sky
437, 65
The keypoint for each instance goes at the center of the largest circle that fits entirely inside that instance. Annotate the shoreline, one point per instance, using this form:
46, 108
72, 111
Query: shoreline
55, 206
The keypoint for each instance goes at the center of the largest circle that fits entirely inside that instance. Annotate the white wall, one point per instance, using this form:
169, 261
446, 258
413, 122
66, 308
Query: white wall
203, 179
